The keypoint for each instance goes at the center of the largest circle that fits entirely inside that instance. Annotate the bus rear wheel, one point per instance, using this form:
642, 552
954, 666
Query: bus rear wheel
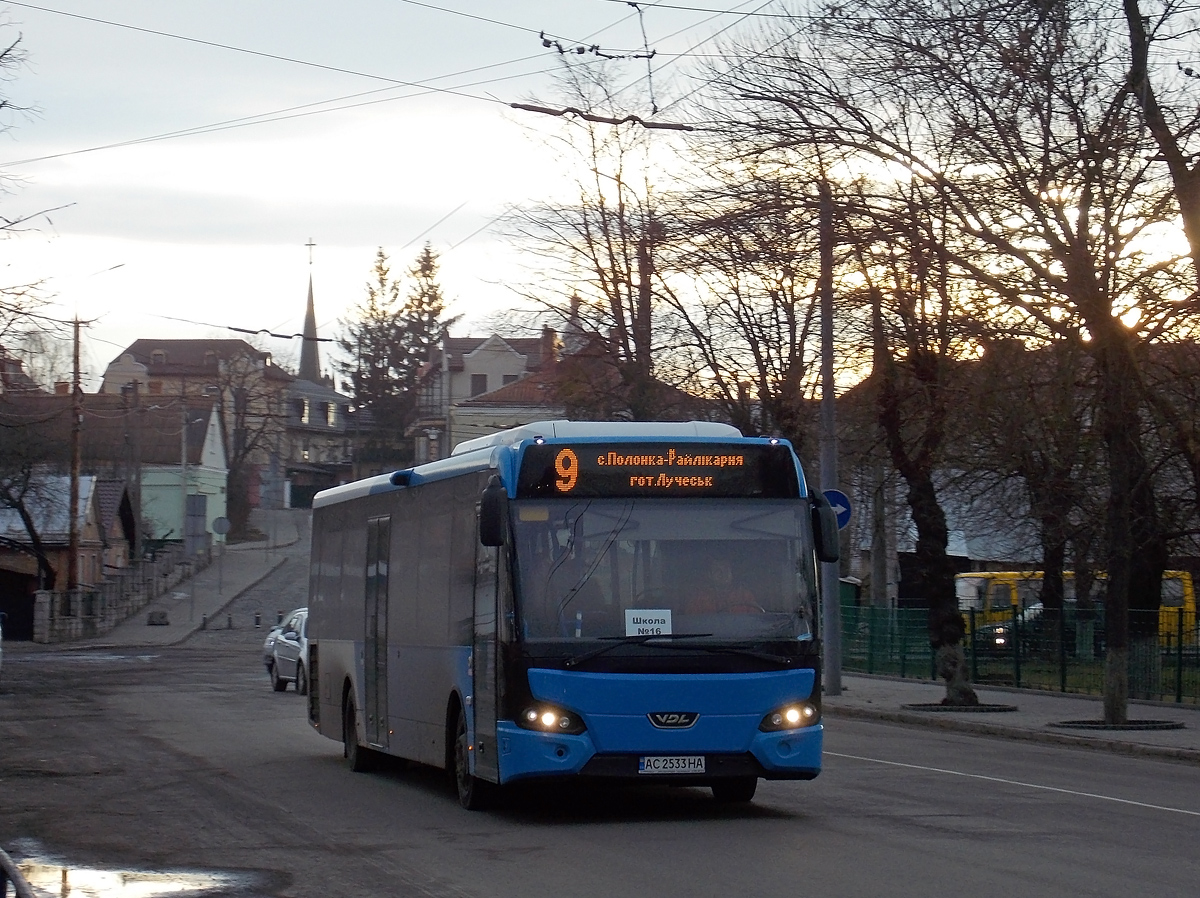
357, 758
473, 794
735, 789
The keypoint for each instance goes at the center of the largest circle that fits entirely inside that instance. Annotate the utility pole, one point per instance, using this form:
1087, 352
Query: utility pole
76, 426
183, 455
831, 611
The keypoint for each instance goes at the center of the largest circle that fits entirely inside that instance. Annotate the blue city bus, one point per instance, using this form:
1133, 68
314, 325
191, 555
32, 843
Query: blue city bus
628, 601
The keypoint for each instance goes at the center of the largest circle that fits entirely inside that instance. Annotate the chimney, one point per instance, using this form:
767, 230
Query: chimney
549, 347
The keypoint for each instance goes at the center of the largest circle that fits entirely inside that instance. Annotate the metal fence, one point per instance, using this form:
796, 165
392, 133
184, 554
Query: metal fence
94, 610
1064, 652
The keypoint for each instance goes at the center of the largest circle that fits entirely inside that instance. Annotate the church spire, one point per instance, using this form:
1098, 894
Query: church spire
310, 360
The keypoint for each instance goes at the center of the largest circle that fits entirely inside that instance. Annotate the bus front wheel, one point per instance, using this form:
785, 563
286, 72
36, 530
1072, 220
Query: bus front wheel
473, 793
735, 789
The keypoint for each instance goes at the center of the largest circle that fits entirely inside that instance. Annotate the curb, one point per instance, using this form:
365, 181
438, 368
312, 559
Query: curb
1139, 749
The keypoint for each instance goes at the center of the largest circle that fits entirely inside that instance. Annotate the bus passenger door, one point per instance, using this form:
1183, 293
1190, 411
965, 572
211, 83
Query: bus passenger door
379, 532
485, 696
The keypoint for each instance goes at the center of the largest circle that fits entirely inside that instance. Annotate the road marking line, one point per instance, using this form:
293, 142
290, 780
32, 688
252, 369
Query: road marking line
996, 779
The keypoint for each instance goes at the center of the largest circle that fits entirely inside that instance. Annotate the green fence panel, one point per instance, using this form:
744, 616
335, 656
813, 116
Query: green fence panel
1062, 652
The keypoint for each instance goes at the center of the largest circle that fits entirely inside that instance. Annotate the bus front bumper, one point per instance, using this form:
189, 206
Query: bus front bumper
525, 754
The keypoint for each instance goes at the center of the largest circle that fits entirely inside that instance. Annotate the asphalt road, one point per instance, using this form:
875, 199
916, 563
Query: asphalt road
183, 759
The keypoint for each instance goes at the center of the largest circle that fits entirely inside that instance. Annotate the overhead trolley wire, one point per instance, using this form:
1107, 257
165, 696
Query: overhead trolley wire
302, 111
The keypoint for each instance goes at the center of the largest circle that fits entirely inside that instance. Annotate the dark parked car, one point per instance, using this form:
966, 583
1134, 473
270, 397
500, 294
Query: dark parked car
285, 652
998, 639
1034, 634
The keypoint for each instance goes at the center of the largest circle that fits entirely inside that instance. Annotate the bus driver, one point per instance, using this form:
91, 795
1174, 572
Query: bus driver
717, 592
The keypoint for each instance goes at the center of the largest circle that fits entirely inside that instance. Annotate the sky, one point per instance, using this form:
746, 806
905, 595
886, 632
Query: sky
188, 236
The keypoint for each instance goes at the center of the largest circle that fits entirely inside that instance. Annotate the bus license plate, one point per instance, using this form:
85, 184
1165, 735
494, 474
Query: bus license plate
671, 764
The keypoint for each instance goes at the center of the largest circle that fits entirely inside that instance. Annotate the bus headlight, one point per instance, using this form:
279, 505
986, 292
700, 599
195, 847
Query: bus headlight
790, 717
548, 719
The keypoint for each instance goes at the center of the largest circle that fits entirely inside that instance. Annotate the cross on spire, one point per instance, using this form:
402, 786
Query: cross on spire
310, 246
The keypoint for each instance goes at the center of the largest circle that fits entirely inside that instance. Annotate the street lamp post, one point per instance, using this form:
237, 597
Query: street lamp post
831, 611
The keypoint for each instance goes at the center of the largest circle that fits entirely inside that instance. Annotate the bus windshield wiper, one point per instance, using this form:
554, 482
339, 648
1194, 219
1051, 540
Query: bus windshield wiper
618, 641
734, 650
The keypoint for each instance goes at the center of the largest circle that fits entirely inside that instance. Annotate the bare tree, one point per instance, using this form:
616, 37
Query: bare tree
28, 454
598, 253
249, 392
747, 264
1028, 418
1019, 121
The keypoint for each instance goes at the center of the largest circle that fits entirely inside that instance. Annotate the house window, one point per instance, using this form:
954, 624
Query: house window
478, 384
329, 413
158, 357
210, 358
510, 379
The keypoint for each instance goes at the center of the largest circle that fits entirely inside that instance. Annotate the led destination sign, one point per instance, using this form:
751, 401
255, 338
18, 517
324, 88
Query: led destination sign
719, 470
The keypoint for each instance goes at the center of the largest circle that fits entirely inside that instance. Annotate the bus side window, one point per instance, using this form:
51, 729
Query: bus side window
1172, 592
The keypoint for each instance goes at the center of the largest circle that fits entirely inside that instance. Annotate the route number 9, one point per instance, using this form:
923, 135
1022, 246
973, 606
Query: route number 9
566, 465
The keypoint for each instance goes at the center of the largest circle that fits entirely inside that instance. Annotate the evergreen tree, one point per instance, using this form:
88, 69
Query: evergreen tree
386, 342
422, 315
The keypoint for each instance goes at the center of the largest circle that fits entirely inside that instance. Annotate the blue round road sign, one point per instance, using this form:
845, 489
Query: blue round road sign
840, 503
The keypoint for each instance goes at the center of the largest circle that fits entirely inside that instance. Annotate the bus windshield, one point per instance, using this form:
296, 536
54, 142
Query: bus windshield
739, 570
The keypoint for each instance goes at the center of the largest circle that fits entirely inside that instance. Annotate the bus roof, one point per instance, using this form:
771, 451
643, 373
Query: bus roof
611, 429
481, 453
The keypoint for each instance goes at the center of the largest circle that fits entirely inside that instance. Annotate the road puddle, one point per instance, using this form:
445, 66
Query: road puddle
52, 880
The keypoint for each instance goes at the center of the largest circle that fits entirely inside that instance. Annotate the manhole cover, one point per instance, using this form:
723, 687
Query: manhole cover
980, 708
1131, 725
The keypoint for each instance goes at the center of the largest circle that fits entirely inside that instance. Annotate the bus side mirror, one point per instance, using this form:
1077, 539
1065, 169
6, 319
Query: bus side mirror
825, 529
493, 512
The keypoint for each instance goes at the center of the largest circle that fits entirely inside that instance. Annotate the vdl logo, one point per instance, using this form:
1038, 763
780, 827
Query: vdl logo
673, 720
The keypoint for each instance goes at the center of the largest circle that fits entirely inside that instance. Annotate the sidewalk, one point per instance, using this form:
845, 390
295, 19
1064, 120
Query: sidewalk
202, 598
880, 698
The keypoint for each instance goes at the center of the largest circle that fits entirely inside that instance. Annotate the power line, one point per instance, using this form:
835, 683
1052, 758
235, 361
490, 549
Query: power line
259, 53
301, 111
718, 12
467, 15
810, 17
480, 230
245, 330
743, 17
206, 43
432, 226
306, 109
601, 119
741, 65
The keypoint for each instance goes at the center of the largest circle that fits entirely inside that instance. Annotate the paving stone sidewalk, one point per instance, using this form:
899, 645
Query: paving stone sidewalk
1034, 716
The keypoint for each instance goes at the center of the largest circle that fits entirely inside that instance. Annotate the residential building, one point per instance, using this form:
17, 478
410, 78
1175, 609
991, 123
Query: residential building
250, 392
105, 539
13, 378
319, 438
145, 446
467, 367
532, 398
